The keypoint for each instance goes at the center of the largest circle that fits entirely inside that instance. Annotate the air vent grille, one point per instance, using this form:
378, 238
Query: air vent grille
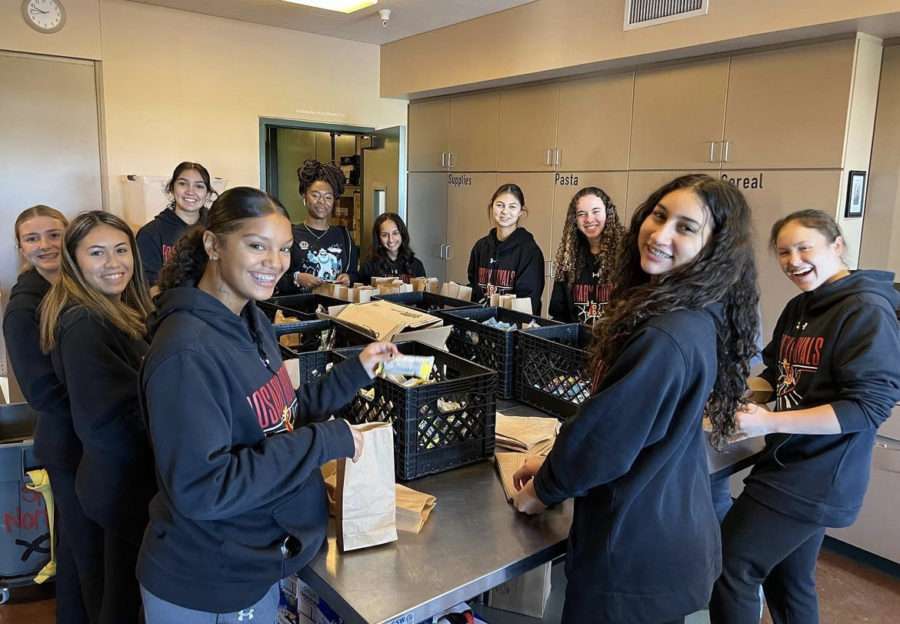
640, 13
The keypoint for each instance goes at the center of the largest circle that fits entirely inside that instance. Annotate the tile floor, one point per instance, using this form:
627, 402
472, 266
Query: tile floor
849, 593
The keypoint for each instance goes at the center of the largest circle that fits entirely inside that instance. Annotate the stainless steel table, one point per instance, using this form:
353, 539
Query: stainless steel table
473, 541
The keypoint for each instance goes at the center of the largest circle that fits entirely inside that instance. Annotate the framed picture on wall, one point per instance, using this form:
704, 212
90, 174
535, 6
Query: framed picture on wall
856, 194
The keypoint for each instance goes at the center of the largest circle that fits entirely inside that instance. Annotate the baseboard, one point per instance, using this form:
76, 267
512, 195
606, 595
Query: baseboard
861, 556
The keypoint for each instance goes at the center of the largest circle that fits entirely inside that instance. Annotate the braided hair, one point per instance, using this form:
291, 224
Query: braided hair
314, 171
574, 248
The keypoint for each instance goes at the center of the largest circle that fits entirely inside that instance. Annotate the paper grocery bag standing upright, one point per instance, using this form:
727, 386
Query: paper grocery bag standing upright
365, 500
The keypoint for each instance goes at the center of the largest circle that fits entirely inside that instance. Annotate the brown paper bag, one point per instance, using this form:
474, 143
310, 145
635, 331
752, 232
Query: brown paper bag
365, 502
413, 508
507, 464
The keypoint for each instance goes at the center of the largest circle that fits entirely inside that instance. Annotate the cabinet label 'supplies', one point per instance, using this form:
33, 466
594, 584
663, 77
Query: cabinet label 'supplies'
459, 180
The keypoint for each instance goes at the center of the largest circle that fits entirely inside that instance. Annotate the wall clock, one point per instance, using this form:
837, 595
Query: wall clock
45, 16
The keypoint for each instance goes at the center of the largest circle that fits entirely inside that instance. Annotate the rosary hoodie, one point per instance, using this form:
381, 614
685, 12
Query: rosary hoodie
156, 240
513, 266
55, 442
644, 543
241, 500
835, 345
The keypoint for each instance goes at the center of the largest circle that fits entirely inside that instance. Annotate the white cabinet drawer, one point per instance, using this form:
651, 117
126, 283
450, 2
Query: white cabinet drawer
875, 530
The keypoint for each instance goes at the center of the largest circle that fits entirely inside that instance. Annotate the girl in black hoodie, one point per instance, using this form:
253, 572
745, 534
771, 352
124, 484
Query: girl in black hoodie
507, 260
92, 324
584, 259
241, 501
391, 254
79, 572
832, 364
677, 336
189, 187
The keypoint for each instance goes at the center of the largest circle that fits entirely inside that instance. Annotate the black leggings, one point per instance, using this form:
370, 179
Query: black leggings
79, 566
761, 546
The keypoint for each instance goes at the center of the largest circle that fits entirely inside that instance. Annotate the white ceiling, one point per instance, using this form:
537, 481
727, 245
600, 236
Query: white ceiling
408, 17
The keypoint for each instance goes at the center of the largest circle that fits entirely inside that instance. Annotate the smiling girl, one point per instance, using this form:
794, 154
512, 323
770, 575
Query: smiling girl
507, 260
79, 574
92, 324
391, 253
832, 365
678, 335
189, 187
241, 503
584, 260
321, 252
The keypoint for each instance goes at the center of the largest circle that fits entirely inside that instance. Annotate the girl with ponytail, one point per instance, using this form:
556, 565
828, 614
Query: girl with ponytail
238, 448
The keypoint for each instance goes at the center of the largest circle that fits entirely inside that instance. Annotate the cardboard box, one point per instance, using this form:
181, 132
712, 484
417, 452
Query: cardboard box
526, 594
381, 320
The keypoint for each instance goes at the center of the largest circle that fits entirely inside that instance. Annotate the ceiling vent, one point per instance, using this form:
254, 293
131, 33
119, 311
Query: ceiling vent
640, 13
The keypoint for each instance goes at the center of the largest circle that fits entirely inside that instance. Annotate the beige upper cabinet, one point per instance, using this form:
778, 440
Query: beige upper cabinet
787, 109
468, 197
679, 116
473, 132
429, 135
594, 128
528, 119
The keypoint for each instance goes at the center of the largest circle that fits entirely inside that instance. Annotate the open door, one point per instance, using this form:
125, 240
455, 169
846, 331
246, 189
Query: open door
383, 181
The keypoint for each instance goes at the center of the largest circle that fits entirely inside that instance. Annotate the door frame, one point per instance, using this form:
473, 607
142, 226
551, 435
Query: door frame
265, 123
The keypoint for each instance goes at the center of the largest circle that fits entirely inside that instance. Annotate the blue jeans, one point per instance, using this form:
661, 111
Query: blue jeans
159, 611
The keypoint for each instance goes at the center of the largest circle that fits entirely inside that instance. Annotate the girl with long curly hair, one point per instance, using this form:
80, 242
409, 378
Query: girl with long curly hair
584, 258
676, 339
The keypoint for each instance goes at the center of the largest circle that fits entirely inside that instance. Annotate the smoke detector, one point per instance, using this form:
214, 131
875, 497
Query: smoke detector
385, 15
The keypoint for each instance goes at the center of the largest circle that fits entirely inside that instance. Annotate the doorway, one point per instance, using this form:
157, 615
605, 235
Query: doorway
373, 162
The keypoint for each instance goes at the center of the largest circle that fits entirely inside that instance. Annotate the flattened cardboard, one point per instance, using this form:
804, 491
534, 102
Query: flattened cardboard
381, 320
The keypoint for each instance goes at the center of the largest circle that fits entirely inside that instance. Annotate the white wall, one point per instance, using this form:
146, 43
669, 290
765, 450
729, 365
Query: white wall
180, 86
184, 86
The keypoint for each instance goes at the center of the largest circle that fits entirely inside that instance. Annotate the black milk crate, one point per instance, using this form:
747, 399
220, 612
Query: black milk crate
489, 346
302, 306
553, 372
437, 426
312, 358
430, 303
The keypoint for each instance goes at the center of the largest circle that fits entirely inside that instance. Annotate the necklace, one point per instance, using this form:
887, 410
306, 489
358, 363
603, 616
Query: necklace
313, 234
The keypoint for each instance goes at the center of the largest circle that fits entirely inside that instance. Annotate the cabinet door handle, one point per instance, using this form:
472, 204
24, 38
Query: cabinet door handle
449, 255
712, 151
442, 253
443, 159
558, 156
549, 270
725, 151
450, 159
547, 160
